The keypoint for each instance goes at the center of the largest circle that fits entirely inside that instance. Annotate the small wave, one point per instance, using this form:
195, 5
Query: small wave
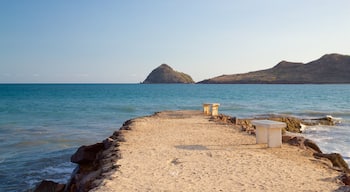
64, 168
303, 127
59, 173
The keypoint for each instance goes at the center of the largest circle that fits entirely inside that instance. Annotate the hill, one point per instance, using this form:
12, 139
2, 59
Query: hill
165, 74
330, 68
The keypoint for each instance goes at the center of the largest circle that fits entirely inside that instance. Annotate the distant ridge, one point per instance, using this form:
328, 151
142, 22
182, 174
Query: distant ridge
165, 74
330, 68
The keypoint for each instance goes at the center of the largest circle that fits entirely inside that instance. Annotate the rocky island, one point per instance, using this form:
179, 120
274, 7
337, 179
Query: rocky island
330, 68
165, 74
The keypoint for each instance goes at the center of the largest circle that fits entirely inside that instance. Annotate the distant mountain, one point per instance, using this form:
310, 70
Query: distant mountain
330, 68
165, 74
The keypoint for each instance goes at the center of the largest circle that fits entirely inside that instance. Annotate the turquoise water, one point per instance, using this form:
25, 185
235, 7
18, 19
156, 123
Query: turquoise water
42, 125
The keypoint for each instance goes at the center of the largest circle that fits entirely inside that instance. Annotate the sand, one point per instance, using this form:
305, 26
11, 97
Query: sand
186, 151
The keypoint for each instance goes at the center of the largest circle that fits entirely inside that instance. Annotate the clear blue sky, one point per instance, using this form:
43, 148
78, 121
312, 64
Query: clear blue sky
122, 41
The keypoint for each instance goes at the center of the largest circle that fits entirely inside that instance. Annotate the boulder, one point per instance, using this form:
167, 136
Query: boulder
84, 181
311, 144
336, 159
301, 142
345, 188
297, 141
87, 154
327, 120
49, 186
226, 119
286, 138
293, 124
108, 142
345, 178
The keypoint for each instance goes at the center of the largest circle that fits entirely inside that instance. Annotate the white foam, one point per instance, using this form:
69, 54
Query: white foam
63, 168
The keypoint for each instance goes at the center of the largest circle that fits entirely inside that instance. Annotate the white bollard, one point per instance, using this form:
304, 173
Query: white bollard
206, 108
269, 132
215, 109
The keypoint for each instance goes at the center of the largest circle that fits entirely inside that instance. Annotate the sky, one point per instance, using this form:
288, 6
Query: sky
122, 41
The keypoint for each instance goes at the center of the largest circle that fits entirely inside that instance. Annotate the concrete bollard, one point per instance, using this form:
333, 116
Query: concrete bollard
206, 108
215, 109
269, 132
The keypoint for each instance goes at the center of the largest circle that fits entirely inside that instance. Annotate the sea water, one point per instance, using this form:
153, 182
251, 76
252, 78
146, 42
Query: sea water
42, 125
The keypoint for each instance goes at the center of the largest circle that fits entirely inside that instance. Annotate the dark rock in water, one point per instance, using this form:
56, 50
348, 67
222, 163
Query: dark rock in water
336, 159
94, 161
49, 186
294, 123
86, 154
165, 74
327, 120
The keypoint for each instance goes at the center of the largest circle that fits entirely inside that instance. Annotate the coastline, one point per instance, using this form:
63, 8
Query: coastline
189, 151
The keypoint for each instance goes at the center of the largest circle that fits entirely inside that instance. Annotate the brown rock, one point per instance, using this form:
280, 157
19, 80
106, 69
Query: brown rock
49, 186
86, 154
336, 159
297, 141
286, 138
84, 181
108, 142
343, 189
311, 144
293, 124
345, 178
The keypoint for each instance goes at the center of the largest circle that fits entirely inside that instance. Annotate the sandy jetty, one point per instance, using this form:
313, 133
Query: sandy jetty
187, 151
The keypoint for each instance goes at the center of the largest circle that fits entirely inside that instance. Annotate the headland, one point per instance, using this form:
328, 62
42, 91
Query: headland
190, 151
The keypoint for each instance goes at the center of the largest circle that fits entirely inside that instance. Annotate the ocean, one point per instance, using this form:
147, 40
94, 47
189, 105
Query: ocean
42, 125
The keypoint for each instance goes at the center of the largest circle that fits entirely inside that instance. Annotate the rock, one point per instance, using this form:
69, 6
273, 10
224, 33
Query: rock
327, 120
108, 142
343, 189
336, 159
117, 135
49, 186
301, 142
345, 178
311, 144
286, 138
126, 125
297, 141
246, 125
165, 74
87, 154
225, 119
84, 181
293, 124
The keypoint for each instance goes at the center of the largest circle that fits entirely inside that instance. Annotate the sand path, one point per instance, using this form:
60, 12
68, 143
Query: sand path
185, 151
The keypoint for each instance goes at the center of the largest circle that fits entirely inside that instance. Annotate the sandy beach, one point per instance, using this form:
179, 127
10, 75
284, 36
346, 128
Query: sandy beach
186, 151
